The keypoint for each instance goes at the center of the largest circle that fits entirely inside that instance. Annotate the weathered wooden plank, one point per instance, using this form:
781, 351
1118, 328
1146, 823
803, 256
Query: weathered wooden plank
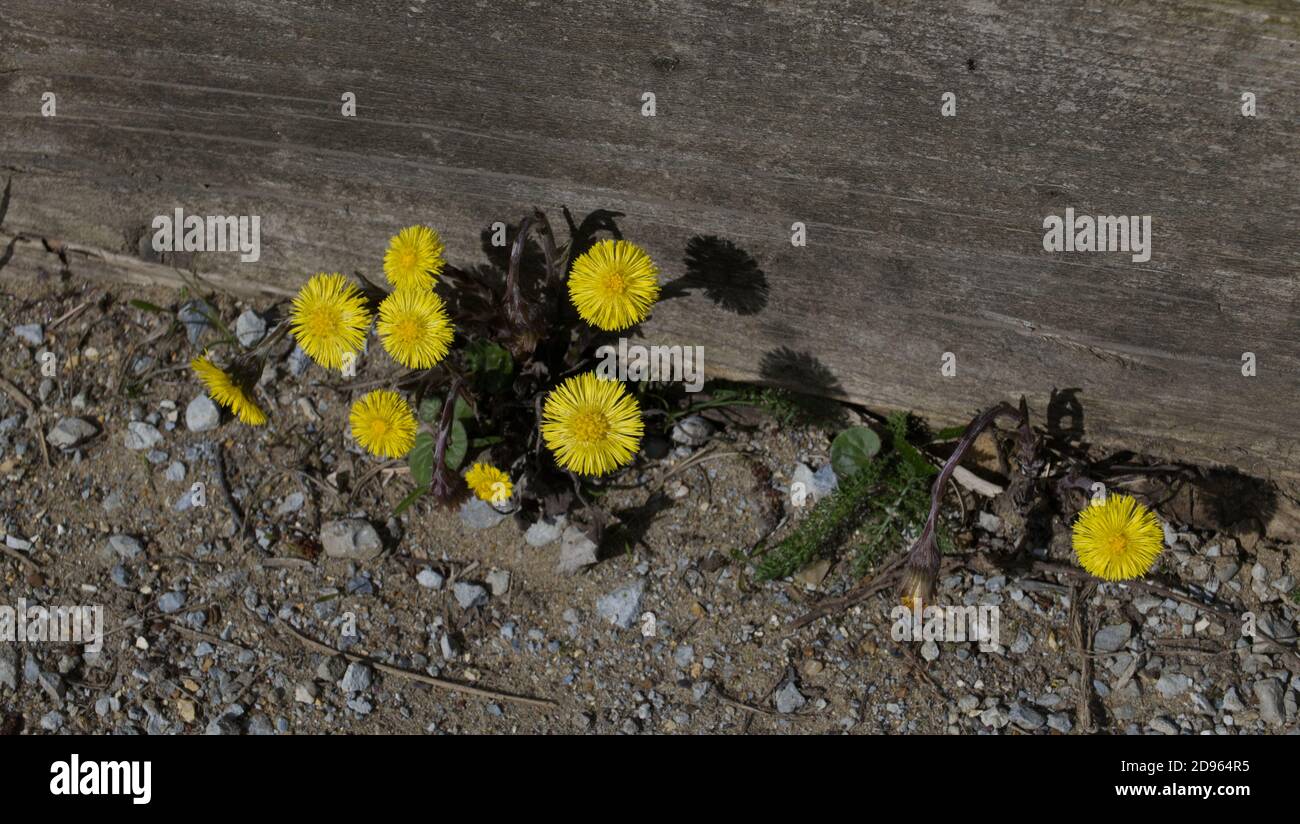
924, 232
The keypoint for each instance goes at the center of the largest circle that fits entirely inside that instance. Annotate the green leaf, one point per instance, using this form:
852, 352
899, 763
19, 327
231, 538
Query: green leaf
490, 364
457, 447
910, 454
410, 499
146, 306
952, 433
463, 411
430, 409
853, 449
421, 459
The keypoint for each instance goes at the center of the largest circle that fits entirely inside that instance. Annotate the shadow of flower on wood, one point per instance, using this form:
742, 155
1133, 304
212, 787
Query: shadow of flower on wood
813, 386
728, 275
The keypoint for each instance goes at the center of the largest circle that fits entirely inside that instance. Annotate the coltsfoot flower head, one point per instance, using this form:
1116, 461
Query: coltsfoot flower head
613, 285
414, 327
383, 423
414, 258
1118, 538
330, 319
234, 392
591, 425
489, 483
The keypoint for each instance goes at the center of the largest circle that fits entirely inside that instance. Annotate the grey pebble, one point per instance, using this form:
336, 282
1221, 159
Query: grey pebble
469, 595
622, 606
352, 538
202, 415
429, 579
789, 699
70, 432
171, 602
125, 546
141, 435
357, 678
543, 532
577, 552
479, 514
1112, 638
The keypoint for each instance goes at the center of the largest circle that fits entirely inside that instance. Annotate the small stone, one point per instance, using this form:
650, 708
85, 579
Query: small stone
1268, 692
684, 655
202, 415
543, 532
1164, 726
968, 702
306, 693
577, 552
448, 647
249, 328
125, 546
1026, 718
1172, 684
1145, 603
1112, 638
331, 668
812, 575
352, 538
141, 435
622, 606
298, 361
175, 472
498, 580
930, 650
789, 699
469, 595
995, 717
816, 485
990, 523
479, 514
1022, 643
70, 432
52, 721
171, 602
30, 333
1232, 701
194, 314
357, 678
429, 579
291, 503
1060, 722
692, 430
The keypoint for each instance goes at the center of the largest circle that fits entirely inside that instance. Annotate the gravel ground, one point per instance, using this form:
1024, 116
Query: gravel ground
213, 630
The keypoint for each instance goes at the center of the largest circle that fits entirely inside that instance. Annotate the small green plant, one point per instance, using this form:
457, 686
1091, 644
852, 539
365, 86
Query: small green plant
787, 407
883, 499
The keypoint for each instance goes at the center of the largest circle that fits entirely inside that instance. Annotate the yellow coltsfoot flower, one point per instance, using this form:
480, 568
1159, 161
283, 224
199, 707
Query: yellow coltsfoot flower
233, 393
613, 285
414, 327
414, 258
1117, 539
591, 425
489, 483
330, 319
383, 423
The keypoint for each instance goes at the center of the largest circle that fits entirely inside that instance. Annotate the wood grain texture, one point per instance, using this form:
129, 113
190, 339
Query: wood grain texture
925, 232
